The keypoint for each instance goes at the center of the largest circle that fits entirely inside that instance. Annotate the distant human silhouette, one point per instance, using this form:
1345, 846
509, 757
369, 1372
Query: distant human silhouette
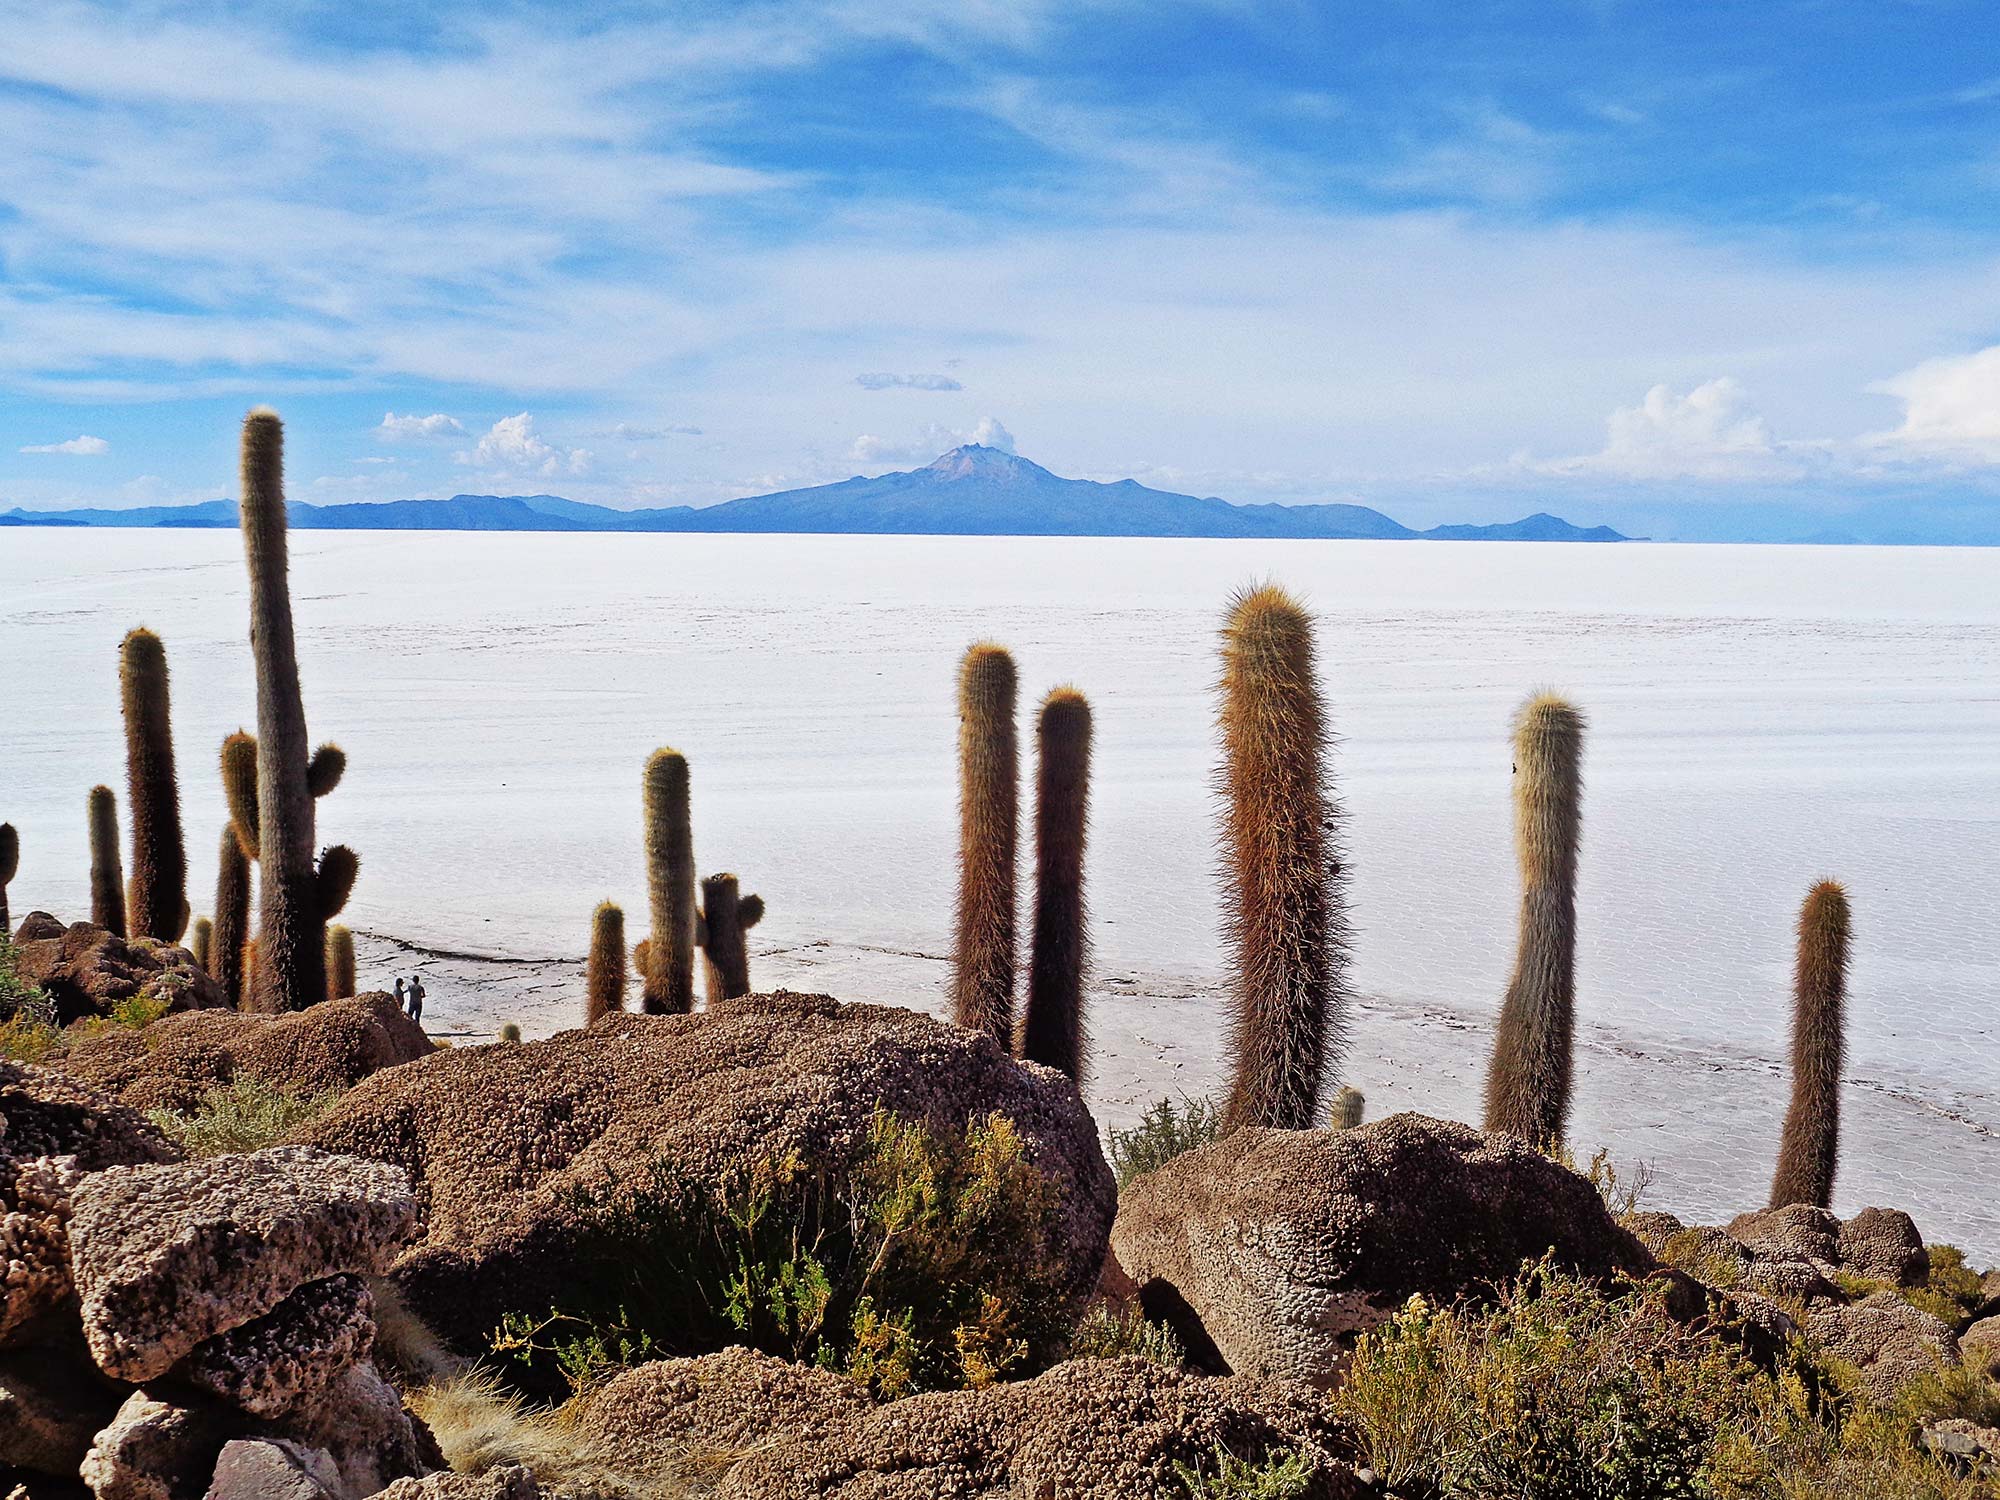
416, 998
402, 1000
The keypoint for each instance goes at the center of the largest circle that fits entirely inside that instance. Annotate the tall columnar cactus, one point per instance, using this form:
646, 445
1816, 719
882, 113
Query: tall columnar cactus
158, 886
668, 977
202, 943
1528, 1079
298, 896
107, 865
1348, 1107
1052, 1032
721, 929
984, 946
10, 865
604, 972
239, 789
1810, 1152
339, 962
1286, 918
232, 915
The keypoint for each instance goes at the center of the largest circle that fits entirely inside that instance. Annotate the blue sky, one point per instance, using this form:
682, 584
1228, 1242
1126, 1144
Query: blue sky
1703, 270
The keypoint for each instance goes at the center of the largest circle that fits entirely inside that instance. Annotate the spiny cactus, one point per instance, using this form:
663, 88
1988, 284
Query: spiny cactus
158, 887
984, 946
232, 915
604, 971
339, 962
201, 945
10, 866
668, 977
1528, 1079
239, 789
1348, 1105
298, 896
1810, 1152
511, 1032
1286, 918
1052, 1032
720, 929
107, 865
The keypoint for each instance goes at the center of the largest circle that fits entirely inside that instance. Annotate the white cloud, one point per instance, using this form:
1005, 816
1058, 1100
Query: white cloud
627, 432
1712, 432
883, 381
512, 444
83, 445
989, 433
872, 451
1951, 406
395, 429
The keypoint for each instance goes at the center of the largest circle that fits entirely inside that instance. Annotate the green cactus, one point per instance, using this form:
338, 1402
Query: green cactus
1528, 1079
157, 891
604, 971
298, 896
232, 914
339, 962
10, 866
1286, 918
107, 865
720, 931
984, 945
1810, 1152
668, 976
1348, 1105
1052, 1030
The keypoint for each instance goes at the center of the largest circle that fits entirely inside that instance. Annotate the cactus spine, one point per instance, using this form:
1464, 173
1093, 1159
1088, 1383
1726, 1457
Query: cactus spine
297, 895
232, 915
201, 944
604, 972
107, 865
1348, 1105
1286, 920
1052, 1030
1810, 1151
721, 928
988, 832
158, 889
10, 865
1528, 1079
339, 962
669, 971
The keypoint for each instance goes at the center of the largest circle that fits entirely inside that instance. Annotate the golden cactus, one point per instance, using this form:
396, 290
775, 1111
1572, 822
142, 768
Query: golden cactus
604, 971
668, 978
1809, 1154
989, 817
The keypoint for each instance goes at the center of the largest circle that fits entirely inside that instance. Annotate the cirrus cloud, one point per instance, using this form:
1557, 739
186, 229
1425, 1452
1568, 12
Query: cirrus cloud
882, 380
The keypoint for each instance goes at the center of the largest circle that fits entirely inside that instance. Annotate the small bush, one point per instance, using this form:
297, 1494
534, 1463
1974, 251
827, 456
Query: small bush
16, 994
26, 1037
1164, 1131
241, 1115
1230, 1477
1105, 1334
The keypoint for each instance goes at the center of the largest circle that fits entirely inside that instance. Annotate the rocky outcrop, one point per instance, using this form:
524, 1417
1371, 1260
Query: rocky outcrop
272, 1469
1089, 1430
276, 1363
87, 971
727, 1402
166, 1257
1979, 1346
325, 1049
1270, 1249
499, 1141
1886, 1339
501, 1482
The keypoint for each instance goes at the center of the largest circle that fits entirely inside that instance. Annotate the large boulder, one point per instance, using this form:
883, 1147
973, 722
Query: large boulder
725, 1402
1890, 1342
1097, 1429
499, 1142
323, 1049
278, 1362
166, 1257
88, 971
1269, 1250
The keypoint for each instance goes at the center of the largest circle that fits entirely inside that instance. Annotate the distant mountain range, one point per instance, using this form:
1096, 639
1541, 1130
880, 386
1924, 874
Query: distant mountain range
970, 491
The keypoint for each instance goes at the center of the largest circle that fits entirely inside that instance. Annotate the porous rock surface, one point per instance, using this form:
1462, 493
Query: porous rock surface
275, 1363
735, 1399
272, 1469
501, 1482
173, 1062
1889, 1341
1099, 1429
168, 1256
87, 970
1269, 1249
497, 1140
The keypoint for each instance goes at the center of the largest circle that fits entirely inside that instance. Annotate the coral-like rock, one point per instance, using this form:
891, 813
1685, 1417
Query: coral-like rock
1979, 1346
277, 1362
1269, 1249
1797, 1232
1889, 1341
154, 1449
732, 1400
1883, 1244
87, 970
166, 1257
501, 1482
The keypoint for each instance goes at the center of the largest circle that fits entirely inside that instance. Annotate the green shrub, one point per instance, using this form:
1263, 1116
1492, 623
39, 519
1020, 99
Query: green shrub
26, 1037
1105, 1334
241, 1115
1164, 1131
16, 994
927, 1263
1278, 1477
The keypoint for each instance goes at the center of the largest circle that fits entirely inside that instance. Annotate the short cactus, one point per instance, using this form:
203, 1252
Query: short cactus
157, 891
339, 962
668, 977
232, 914
510, 1032
201, 944
1052, 1029
1528, 1079
984, 945
1810, 1152
720, 929
107, 865
1348, 1105
604, 971
239, 789
1286, 918
10, 866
